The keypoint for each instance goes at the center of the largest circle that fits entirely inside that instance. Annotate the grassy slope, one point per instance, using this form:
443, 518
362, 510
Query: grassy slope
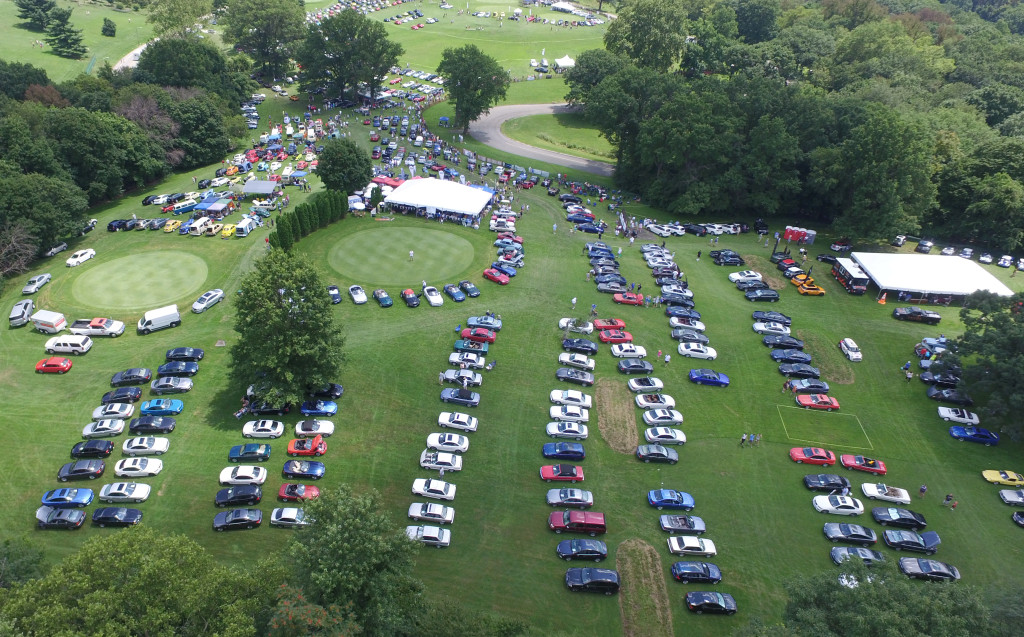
568, 133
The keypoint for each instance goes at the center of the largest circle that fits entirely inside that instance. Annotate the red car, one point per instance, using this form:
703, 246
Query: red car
861, 463
290, 492
478, 334
316, 446
812, 455
615, 336
817, 401
498, 277
609, 324
510, 236
53, 365
374, 136
577, 522
629, 298
561, 473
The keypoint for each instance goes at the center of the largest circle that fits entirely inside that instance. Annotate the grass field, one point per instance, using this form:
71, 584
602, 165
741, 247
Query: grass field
568, 133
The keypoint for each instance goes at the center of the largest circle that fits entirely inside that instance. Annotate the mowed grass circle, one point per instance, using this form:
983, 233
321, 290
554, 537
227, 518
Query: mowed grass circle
140, 280
381, 256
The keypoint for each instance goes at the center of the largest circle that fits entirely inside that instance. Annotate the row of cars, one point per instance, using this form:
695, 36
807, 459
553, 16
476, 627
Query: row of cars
456, 292
510, 255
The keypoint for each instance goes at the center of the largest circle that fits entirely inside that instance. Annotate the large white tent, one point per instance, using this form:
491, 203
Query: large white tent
928, 274
433, 195
565, 62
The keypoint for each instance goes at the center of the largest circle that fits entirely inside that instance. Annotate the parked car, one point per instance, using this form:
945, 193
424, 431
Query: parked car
932, 570
575, 498
826, 482
927, 542
237, 519
899, 517
190, 354
670, 499
592, 580
691, 545
657, 453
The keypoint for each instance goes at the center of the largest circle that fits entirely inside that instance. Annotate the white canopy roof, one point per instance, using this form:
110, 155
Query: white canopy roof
440, 194
563, 6
928, 274
565, 62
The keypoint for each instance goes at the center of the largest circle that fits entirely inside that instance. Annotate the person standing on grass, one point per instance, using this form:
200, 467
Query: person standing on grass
668, 357
574, 302
923, 490
910, 375
440, 378
412, 255
948, 500
743, 440
698, 255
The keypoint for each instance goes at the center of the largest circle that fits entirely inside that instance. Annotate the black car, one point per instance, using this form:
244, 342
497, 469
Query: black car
710, 602
657, 453
634, 366
134, 376
330, 391
696, 573
932, 570
671, 273
568, 198
92, 449
917, 315
592, 580
743, 286
840, 554
116, 516
581, 345
770, 316
122, 395
674, 299
243, 494
411, 298
66, 519
783, 342
237, 519
593, 550
825, 482
117, 225
152, 425
204, 183
851, 533
82, 470
684, 335
808, 386
610, 278
577, 376
799, 370
667, 280
682, 312
717, 254
470, 289
924, 247
953, 396
589, 228
552, 191
927, 542
694, 229
334, 293
940, 379
790, 356
770, 296
730, 259
178, 368
190, 354
896, 516
779, 256
171, 385
268, 409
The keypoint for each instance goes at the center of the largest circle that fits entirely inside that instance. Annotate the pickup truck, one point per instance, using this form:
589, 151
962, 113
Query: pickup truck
98, 327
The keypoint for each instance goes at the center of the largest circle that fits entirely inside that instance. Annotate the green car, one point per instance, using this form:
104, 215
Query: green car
464, 345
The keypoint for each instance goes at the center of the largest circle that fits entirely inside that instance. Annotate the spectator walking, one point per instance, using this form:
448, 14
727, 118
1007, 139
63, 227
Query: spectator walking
440, 378
574, 302
668, 357
698, 255
910, 375
743, 440
659, 353
923, 490
412, 255
554, 228
952, 507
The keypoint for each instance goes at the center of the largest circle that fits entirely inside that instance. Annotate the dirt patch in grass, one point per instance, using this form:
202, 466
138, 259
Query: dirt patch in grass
616, 416
771, 274
643, 599
828, 358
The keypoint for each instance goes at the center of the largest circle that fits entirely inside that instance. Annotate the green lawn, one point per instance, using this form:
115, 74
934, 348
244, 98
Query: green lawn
566, 133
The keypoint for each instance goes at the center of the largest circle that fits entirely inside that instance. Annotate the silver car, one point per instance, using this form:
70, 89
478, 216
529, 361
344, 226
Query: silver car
207, 300
171, 385
21, 313
35, 283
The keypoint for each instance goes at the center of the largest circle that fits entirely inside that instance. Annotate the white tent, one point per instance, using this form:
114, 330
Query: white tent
564, 7
439, 194
565, 63
928, 274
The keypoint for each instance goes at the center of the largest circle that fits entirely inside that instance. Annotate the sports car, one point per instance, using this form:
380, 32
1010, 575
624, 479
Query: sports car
615, 336
932, 570
434, 298
124, 492
249, 452
812, 455
178, 368
571, 397
504, 268
468, 360
825, 482
799, 370
578, 361
840, 554
861, 463
579, 327
145, 446
655, 401
51, 518
103, 428
303, 470
116, 516
319, 408
939, 379
697, 350
782, 342
645, 384
1009, 478
809, 289
492, 274
1011, 497
575, 498
313, 427
628, 298
577, 376
381, 296
122, 395
263, 429
430, 512
710, 602
113, 410
851, 533
808, 386
410, 298
895, 516
745, 275
573, 430
771, 328
357, 293
609, 324
562, 472
162, 407
138, 467
80, 257
68, 498
628, 350
568, 413
670, 499
953, 396
837, 505
478, 335
563, 451
457, 420
237, 519
464, 377
433, 488
927, 542
290, 517
681, 524
657, 453
880, 491
682, 312
460, 396
974, 434
92, 449
817, 401
452, 443
487, 322
290, 492
691, 545
470, 289
790, 356
134, 376
686, 323
334, 293
916, 314
708, 377
437, 460
773, 317
429, 535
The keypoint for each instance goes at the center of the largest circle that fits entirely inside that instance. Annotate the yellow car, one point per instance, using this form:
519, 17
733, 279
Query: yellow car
809, 289
214, 230
801, 279
232, 170
172, 226
1009, 478
228, 231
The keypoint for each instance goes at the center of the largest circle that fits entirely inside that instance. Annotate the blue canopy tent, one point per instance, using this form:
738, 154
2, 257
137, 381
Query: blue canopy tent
275, 146
442, 120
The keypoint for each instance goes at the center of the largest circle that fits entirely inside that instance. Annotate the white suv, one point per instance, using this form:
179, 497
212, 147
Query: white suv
850, 349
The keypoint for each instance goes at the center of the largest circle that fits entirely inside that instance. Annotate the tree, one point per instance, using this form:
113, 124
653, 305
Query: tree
288, 338
20, 561
474, 82
284, 234
344, 166
36, 12
177, 17
757, 20
996, 216
184, 63
109, 28
355, 556
268, 30
64, 39
651, 33
201, 132
376, 197
17, 249
294, 614
592, 66
992, 350
345, 49
16, 77
46, 209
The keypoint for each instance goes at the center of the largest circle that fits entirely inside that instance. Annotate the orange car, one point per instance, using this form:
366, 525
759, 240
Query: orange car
232, 170
809, 289
315, 446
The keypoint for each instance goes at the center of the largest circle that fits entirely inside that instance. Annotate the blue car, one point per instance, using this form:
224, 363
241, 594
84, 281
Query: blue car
670, 499
506, 243
68, 498
790, 356
488, 322
251, 452
564, 451
454, 293
178, 368
682, 312
974, 434
470, 289
504, 268
319, 408
303, 469
162, 407
185, 227
577, 217
589, 228
708, 377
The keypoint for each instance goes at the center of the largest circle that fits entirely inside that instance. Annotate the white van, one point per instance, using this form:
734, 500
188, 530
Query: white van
244, 227
199, 226
71, 344
159, 319
419, 141
49, 322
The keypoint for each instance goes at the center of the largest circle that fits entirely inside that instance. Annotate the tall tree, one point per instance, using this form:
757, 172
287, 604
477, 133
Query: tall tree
345, 49
288, 341
47, 208
63, 38
184, 63
16, 77
992, 351
177, 17
592, 66
20, 561
268, 30
35, 12
344, 166
474, 82
757, 20
17, 249
651, 33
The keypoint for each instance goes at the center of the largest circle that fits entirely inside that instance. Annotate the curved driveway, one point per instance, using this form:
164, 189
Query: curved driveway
487, 130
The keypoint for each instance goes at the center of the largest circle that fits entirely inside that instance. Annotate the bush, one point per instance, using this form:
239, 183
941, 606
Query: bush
109, 28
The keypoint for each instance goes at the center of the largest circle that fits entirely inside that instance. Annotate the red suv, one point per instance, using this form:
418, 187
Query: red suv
577, 522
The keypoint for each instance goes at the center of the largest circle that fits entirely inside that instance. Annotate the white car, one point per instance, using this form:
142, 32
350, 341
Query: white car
850, 350
145, 446
113, 410
579, 361
571, 397
655, 401
659, 230
771, 327
958, 415
440, 460
453, 443
838, 505
103, 428
569, 413
433, 488
124, 492
1012, 497
469, 359
274, 167
663, 417
55, 250
138, 467
207, 300
675, 288
217, 182
664, 436
263, 429
628, 350
696, 350
691, 545
573, 326
645, 384
534, 63
243, 474
313, 427
357, 293
434, 297
432, 512
457, 420
573, 430
290, 517
880, 491
429, 535
161, 200
745, 275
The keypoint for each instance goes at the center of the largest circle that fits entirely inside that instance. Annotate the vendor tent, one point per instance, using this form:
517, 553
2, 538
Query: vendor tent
565, 62
438, 195
259, 187
564, 7
928, 274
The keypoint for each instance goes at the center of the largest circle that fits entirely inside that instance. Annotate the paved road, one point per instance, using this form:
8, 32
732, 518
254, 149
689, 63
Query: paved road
131, 60
487, 130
